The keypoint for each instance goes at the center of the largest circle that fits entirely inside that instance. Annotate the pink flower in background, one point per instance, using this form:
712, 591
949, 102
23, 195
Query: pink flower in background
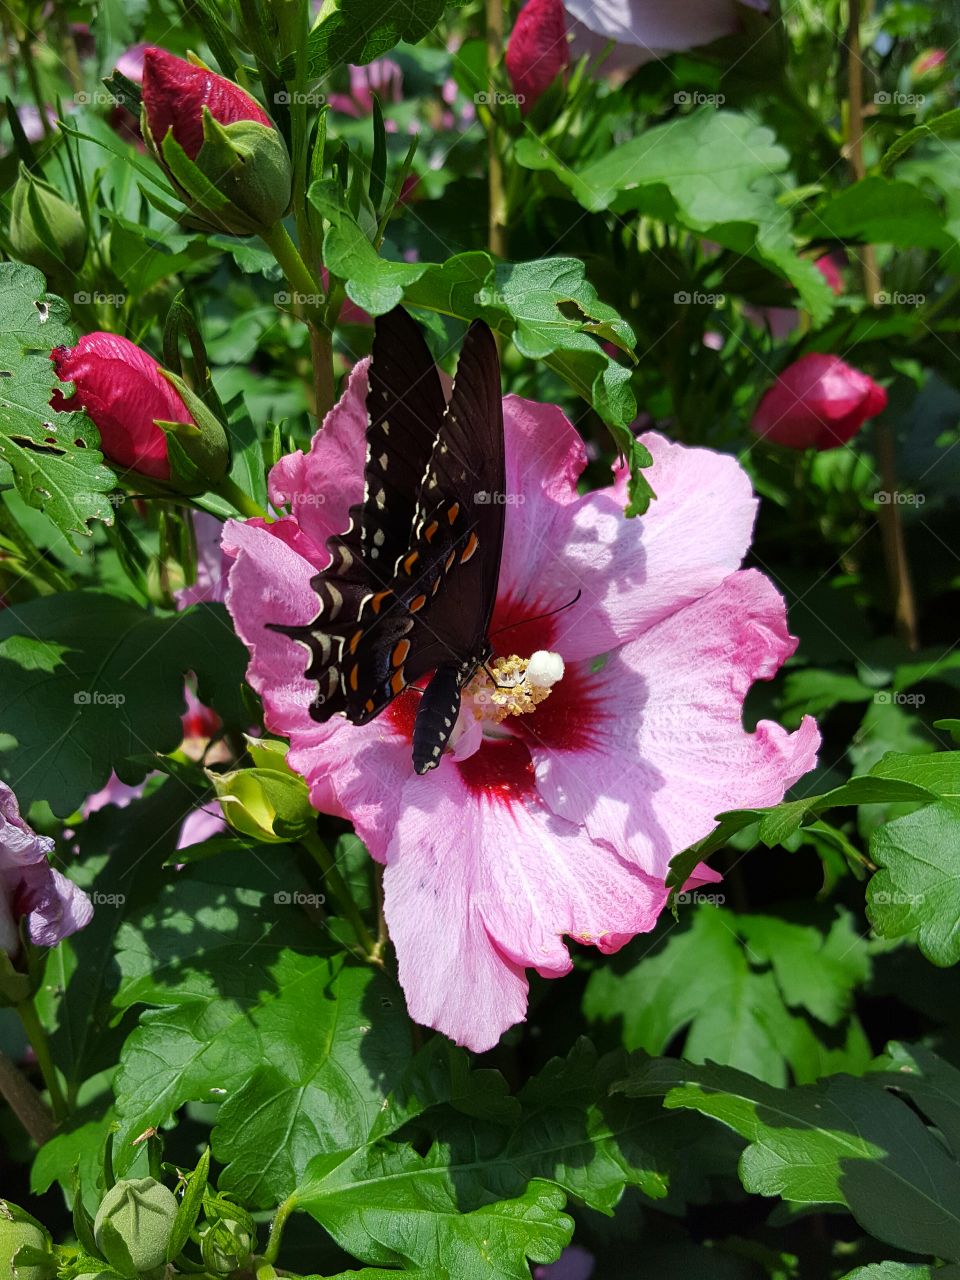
538, 50
931, 61
573, 1264
210, 584
818, 402
130, 62
782, 321
648, 29
560, 820
201, 823
124, 391
382, 77
30, 887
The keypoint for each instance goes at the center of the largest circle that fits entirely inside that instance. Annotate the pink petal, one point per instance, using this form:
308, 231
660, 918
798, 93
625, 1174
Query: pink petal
320, 486
651, 28
631, 573
647, 751
482, 882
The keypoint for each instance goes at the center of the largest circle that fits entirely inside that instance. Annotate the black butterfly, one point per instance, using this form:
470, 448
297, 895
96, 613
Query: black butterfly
413, 580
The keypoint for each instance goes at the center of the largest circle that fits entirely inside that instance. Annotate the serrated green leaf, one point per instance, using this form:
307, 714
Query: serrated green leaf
111, 689
843, 1141
358, 31
882, 211
712, 172
55, 457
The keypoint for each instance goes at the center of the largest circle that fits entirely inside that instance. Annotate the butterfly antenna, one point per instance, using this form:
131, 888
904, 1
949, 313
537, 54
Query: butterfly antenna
538, 617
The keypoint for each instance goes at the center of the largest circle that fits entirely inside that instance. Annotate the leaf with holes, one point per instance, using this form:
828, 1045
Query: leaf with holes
55, 457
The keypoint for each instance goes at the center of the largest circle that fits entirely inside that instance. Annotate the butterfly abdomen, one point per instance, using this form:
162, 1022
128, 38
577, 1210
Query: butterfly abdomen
437, 714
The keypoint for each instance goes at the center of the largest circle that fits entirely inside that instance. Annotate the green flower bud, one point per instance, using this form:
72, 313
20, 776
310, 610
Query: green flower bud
199, 451
18, 1230
133, 1225
226, 1245
45, 231
270, 804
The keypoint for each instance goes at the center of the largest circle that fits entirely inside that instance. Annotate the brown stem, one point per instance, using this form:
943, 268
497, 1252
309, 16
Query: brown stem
888, 515
497, 224
25, 1103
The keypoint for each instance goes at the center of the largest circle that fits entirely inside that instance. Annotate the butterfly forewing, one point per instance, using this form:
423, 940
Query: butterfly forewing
412, 583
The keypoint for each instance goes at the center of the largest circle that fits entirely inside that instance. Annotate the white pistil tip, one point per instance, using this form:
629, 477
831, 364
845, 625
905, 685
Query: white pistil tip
544, 669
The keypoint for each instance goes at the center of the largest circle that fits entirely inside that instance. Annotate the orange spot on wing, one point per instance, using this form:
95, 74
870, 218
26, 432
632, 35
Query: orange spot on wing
472, 543
355, 640
431, 529
417, 603
399, 655
355, 676
453, 512
378, 600
397, 682
410, 561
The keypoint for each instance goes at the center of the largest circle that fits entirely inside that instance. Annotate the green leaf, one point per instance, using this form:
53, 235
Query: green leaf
902, 1271
846, 1142
55, 457
358, 31
882, 211
88, 682
259, 1010
189, 1208
713, 172
731, 983
942, 126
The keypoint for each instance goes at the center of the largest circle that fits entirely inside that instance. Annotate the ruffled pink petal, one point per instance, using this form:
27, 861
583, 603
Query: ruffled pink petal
649, 749
211, 580
319, 487
631, 573
483, 882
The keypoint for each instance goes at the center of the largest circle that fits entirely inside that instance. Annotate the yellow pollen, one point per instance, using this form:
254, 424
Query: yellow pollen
512, 695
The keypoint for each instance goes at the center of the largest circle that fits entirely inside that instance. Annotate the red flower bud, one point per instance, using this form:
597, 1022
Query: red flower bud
537, 50
125, 393
817, 402
175, 93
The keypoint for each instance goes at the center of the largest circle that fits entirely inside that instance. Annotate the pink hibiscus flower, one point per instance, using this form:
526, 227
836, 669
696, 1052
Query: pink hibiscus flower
562, 820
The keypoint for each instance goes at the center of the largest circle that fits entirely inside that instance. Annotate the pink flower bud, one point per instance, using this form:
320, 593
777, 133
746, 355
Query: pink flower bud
537, 50
817, 402
827, 266
175, 93
125, 393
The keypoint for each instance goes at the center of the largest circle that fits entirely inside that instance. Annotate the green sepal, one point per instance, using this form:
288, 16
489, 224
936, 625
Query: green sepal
45, 231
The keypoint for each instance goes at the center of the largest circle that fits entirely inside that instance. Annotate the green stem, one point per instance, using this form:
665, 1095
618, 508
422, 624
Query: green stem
321, 349
307, 292
26, 52
230, 490
340, 891
497, 220
276, 1230
41, 1047
25, 1103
